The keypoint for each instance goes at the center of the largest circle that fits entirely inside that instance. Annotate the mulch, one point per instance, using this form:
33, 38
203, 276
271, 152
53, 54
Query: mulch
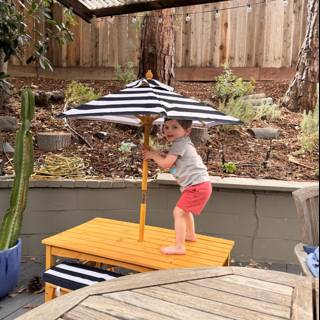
239, 146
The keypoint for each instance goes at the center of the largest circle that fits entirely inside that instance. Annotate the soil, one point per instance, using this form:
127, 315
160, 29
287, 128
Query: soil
104, 159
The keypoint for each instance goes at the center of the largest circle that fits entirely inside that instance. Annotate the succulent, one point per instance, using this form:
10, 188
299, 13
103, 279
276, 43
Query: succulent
23, 164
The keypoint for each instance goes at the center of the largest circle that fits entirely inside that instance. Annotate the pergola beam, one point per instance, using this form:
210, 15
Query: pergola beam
78, 8
146, 6
131, 7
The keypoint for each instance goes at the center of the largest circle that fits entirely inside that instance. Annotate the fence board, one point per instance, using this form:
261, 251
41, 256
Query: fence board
269, 36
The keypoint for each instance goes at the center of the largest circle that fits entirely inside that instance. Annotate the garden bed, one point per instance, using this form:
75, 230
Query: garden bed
105, 159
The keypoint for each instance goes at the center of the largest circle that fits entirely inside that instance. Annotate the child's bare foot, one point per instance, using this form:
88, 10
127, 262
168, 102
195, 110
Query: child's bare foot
173, 250
192, 238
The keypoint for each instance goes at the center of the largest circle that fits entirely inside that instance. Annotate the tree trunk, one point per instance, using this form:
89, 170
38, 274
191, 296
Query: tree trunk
301, 94
157, 48
53, 141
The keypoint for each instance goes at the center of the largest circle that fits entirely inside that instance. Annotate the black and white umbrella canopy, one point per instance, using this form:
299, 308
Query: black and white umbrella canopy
152, 98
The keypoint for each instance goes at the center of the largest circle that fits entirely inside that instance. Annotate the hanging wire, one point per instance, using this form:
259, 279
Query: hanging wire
216, 11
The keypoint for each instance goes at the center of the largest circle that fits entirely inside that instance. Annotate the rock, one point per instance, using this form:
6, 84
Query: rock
260, 102
43, 98
8, 123
264, 133
255, 96
199, 136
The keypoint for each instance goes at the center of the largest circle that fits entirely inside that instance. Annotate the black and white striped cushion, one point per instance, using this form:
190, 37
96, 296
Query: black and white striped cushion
75, 276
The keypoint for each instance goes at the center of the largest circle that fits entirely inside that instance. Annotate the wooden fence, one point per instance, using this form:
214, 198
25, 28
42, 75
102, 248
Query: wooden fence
267, 35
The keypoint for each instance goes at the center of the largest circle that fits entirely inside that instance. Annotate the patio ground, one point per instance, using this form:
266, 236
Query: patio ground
21, 301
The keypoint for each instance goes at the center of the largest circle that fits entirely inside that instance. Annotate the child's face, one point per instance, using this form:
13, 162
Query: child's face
173, 130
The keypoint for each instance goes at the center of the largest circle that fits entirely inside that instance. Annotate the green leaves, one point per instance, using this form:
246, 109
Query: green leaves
228, 86
15, 35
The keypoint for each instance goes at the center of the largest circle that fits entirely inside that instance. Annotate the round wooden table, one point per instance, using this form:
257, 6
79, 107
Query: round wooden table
194, 294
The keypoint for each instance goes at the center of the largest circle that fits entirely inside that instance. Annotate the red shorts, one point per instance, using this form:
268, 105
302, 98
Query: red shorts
194, 198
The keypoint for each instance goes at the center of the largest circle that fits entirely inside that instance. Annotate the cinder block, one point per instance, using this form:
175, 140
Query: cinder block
230, 224
52, 199
277, 250
99, 199
4, 184
276, 204
279, 228
231, 201
67, 184
41, 221
32, 246
160, 218
242, 248
158, 200
94, 184
4, 199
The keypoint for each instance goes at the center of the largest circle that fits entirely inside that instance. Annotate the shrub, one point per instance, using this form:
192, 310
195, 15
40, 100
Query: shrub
228, 86
239, 108
309, 129
126, 74
78, 93
229, 167
268, 112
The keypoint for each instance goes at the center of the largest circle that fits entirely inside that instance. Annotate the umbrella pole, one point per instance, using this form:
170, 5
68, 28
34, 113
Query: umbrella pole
144, 186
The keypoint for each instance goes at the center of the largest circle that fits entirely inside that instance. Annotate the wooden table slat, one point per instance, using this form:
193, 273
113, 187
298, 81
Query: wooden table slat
139, 248
105, 221
153, 233
82, 312
162, 307
273, 287
209, 306
246, 291
120, 310
150, 240
302, 304
152, 261
231, 299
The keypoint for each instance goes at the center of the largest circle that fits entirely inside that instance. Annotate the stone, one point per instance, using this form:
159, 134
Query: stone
8, 123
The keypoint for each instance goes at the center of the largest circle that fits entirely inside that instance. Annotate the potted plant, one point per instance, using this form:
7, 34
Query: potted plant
10, 228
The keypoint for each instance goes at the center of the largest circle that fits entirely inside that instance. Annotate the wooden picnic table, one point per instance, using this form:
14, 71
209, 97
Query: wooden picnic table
116, 243
188, 294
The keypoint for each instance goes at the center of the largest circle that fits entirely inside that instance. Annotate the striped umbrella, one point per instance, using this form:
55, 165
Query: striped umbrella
147, 102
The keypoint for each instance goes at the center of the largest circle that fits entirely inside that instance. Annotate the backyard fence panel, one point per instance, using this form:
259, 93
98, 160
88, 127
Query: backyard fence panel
270, 35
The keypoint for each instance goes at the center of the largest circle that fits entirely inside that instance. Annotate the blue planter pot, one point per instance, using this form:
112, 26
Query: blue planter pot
9, 268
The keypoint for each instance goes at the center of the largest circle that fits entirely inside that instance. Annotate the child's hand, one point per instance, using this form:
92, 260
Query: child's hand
148, 155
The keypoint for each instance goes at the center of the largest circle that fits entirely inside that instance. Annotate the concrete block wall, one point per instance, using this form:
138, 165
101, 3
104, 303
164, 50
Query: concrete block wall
258, 214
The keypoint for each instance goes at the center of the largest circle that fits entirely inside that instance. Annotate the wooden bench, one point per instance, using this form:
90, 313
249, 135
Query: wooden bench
307, 204
115, 243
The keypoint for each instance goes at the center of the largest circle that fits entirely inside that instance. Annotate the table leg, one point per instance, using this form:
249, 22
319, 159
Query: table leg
49, 257
49, 290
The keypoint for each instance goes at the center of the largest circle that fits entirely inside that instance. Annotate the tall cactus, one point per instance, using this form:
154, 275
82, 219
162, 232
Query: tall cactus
23, 165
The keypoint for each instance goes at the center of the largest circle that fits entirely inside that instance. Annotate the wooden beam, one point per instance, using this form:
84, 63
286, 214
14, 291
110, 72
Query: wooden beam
182, 74
147, 6
78, 8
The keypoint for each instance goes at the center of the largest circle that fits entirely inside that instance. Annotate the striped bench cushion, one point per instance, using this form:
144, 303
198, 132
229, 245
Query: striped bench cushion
75, 276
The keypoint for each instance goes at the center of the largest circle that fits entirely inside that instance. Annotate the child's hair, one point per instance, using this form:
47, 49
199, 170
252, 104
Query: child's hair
185, 124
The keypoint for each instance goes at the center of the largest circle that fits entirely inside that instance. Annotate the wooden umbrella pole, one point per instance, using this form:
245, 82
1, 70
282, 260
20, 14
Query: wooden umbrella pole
144, 186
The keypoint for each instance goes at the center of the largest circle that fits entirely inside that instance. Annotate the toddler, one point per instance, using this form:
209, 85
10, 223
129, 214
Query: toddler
191, 174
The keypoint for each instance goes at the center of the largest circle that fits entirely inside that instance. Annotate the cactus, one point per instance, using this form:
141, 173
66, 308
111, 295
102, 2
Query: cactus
23, 165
